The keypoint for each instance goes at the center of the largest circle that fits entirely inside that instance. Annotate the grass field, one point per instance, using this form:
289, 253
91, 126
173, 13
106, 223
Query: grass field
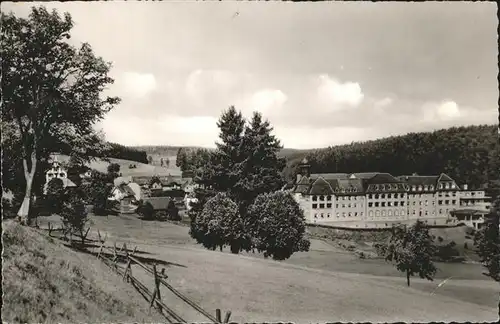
43, 281
141, 170
324, 284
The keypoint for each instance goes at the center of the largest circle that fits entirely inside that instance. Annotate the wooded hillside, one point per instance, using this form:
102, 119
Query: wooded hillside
468, 154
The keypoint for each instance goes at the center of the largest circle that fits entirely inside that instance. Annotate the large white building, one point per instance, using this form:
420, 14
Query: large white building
377, 200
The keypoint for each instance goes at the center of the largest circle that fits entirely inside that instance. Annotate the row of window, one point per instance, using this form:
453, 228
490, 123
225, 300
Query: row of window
384, 196
386, 204
384, 213
328, 215
329, 205
329, 198
379, 196
431, 187
447, 194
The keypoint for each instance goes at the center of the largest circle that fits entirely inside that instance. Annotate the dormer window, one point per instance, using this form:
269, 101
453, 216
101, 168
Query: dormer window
413, 188
426, 188
440, 186
431, 187
447, 186
419, 188
453, 186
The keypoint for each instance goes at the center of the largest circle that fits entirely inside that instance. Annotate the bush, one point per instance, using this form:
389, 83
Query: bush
277, 225
74, 215
219, 224
8, 210
146, 210
173, 211
54, 198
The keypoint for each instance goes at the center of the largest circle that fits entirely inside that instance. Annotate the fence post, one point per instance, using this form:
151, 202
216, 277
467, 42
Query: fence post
128, 271
218, 316
50, 230
156, 292
228, 315
86, 233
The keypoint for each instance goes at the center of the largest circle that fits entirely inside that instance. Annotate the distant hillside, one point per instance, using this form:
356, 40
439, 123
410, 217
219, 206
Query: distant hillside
468, 154
171, 151
140, 169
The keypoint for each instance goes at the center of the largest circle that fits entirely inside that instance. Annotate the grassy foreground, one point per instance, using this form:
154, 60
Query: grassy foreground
45, 282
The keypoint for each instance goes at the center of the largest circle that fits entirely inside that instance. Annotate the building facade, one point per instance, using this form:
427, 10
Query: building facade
378, 200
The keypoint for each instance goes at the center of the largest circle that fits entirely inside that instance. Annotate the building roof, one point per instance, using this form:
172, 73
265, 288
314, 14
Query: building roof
415, 180
468, 211
158, 203
126, 190
365, 175
328, 176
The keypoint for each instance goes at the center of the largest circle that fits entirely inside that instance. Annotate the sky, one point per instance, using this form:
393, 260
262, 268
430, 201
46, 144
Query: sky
322, 73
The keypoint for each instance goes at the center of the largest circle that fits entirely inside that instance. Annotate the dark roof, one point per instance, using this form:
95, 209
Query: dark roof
382, 178
141, 180
419, 180
321, 187
158, 203
365, 175
328, 176
444, 177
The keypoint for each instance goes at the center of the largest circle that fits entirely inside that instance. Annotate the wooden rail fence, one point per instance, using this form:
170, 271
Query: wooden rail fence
159, 280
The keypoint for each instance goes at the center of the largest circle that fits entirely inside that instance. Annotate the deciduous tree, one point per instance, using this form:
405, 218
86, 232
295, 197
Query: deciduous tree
277, 225
487, 242
51, 92
411, 249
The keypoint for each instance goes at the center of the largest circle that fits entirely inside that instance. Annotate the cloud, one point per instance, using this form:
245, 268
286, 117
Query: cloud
205, 86
443, 111
189, 131
383, 102
266, 101
137, 85
337, 95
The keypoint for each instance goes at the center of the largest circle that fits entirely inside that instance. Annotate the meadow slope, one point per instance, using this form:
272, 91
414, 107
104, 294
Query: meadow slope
45, 282
320, 285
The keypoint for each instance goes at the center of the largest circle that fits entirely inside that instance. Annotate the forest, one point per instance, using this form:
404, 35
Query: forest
468, 154
123, 152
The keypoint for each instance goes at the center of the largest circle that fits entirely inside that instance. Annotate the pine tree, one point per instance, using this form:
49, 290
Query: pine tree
260, 172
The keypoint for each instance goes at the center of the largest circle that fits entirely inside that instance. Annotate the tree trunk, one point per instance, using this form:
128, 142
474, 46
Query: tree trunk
408, 278
235, 248
220, 247
29, 175
23, 213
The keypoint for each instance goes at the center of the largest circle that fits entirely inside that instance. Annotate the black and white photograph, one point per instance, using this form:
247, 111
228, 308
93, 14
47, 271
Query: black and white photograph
250, 162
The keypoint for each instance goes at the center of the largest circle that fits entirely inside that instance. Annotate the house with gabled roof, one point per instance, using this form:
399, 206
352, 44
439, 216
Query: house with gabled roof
124, 198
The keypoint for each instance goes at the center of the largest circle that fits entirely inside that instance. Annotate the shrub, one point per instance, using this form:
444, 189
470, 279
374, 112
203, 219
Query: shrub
219, 224
146, 210
55, 196
440, 239
412, 250
277, 225
173, 211
74, 215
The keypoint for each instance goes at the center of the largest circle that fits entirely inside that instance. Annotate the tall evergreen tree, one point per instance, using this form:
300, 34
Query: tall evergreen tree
227, 159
